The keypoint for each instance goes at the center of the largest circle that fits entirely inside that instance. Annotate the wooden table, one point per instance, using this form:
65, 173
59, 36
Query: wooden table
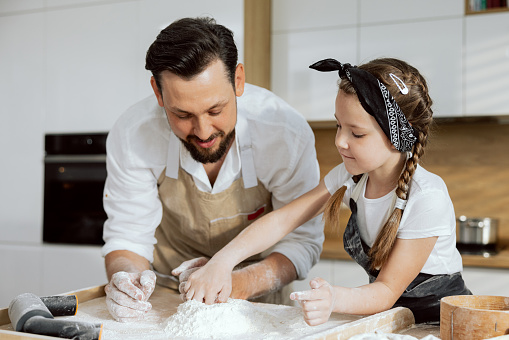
92, 308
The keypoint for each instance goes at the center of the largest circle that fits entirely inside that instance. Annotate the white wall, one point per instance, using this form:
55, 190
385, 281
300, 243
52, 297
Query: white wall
69, 66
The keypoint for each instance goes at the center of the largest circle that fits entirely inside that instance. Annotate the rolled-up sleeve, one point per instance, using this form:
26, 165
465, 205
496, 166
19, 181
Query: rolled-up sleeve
131, 202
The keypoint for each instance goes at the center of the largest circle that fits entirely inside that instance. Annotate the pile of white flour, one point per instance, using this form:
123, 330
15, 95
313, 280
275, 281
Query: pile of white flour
234, 320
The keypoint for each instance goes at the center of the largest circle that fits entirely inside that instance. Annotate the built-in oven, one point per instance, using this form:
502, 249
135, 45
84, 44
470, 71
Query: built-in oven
74, 176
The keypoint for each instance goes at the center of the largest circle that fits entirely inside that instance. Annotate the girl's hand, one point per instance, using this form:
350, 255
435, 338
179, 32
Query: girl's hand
209, 284
185, 269
317, 304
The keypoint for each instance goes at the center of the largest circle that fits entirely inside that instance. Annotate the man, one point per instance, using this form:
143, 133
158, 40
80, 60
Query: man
191, 167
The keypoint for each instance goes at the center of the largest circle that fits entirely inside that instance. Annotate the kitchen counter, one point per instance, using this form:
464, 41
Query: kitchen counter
333, 249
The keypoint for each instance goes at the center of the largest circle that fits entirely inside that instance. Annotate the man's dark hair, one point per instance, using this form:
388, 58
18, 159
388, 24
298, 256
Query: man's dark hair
187, 46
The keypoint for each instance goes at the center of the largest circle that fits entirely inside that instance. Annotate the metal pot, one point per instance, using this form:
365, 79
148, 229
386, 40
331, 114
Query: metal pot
482, 231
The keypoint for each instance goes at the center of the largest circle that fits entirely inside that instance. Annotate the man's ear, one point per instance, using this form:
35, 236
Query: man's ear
158, 94
240, 80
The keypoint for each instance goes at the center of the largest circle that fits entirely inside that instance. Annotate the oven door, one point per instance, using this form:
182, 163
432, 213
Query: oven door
73, 190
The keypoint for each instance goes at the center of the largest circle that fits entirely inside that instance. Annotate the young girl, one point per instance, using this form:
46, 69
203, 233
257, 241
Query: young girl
402, 230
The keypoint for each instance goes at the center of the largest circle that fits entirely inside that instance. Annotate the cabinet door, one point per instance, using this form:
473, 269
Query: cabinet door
433, 47
9, 6
324, 269
291, 15
21, 127
343, 273
70, 268
487, 281
487, 64
91, 65
21, 271
311, 92
392, 11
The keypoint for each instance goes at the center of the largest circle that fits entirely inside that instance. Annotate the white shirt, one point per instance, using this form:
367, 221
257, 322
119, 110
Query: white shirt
141, 145
429, 212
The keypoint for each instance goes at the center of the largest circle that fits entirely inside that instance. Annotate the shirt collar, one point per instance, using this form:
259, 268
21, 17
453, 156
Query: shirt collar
179, 156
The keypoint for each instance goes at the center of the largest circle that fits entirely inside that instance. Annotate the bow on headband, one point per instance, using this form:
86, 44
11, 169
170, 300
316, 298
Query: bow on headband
376, 100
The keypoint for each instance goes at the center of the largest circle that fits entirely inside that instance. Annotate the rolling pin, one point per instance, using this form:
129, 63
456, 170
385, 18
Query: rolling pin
29, 314
61, 305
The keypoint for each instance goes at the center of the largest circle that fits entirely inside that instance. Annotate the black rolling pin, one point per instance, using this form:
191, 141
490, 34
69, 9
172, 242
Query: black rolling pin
61, 305
29, 314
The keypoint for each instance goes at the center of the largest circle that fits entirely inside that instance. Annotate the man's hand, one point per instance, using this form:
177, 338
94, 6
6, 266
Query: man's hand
317, 304
203, 280
127, 295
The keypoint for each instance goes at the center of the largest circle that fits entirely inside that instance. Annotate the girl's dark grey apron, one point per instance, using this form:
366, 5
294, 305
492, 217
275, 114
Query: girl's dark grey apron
423, 294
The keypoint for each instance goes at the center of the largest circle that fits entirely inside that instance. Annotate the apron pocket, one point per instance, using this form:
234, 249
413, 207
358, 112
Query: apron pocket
224, 229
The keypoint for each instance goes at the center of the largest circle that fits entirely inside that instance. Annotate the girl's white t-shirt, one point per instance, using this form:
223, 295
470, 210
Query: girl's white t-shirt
429, 212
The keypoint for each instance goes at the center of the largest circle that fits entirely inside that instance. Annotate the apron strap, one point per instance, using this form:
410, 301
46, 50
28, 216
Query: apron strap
358, 187
246, 153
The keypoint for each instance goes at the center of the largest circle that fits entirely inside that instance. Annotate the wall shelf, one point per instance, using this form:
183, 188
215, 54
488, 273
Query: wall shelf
498, 9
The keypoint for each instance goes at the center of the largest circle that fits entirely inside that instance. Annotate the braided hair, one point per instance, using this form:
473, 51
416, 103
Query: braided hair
416, 105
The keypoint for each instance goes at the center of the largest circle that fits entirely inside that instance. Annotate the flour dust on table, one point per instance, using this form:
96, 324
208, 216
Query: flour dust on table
236, 319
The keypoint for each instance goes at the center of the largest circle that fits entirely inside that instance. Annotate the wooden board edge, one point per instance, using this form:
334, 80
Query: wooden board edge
390, 321
11, 335
87, 294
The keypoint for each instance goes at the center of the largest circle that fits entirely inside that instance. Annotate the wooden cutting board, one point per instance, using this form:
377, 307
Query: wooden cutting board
165, 302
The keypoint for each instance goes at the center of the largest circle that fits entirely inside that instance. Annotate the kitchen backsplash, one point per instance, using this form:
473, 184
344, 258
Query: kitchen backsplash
471, 155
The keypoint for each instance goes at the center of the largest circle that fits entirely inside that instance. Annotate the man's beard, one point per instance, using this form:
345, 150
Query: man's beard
204, 155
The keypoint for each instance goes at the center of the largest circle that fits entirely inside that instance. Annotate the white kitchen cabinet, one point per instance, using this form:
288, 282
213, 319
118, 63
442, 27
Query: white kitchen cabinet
15, 6
48, 269
291, 15
487, 281
68, 3
349, 274
21, 271
90, 65
429, 35
96, 71
21, 127
324, 269
392, 11
68, 268
337, 272
311, 92
487, 64
434, 47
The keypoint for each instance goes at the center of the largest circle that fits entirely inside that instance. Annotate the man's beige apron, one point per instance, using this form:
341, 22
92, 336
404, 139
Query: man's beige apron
197, 223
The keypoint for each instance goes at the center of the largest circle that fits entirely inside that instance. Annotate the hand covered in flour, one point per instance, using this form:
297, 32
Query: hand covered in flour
185, 269
317, 304
203, 280
127, 295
